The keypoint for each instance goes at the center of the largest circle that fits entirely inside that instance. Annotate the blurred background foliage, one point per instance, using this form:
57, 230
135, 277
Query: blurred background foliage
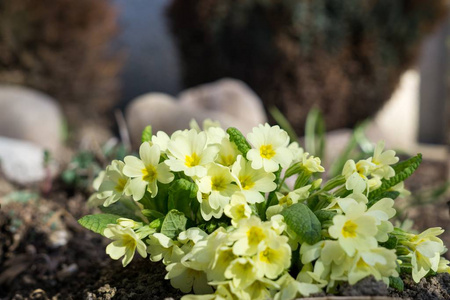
346, 57
62, 48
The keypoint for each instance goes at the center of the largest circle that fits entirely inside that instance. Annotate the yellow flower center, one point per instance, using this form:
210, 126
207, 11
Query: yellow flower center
205, 197
349, 229
285, 200
120, 185
361, 264
266, 255
227, 160
192, 161
149, 173
128, 241
266, 151
240, 211
218, 183
255, 235
227, 256
246, 182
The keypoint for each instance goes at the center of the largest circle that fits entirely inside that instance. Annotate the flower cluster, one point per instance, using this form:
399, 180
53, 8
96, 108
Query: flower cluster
214, 207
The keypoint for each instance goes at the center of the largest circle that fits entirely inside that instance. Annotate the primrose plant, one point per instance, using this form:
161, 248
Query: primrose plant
215, 208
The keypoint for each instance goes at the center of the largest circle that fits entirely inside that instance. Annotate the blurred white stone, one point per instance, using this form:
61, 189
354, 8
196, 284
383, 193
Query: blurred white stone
228, 96
28, 114
21, 161
165, 113
397, 123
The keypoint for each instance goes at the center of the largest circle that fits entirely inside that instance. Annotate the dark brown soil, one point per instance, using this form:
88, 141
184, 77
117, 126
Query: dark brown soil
46, 254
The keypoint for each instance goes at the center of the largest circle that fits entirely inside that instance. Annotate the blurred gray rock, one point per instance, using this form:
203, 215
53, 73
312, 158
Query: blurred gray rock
30, 115
166, 113
21, 161
229, 96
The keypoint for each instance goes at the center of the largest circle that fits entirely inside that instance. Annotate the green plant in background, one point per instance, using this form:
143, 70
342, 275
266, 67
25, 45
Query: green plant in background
86, 165
215, 208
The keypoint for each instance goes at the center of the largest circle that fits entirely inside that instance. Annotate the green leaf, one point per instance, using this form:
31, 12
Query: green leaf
147, 134
159, 203
98, 223
300, 219
402, 170
173, 224
303, 178
391, 243
145, 231
21, 197
239, 140
388, 194
156, 224
181, 193
334, 182
325, 215
125, 208
152, 214
315, 133
396, 283
292, 170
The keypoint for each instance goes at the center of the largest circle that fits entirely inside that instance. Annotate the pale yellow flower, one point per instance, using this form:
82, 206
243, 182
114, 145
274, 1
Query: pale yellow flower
162, 140
114, 183
249, 235
378, 262
204, 254
190, 237
285, 201
260, 289
223, 292
383, 161
252, 182
218, 184
382, 211
238, 208
94, 200
291, 288
312, 163
189, 153
400, 187
269, 148
317, 275
206, 210
146, 171
125, 222
125, 242
228, 152
242, 271
443, 266
277, 224
356, 176
297, 152
215, 135
164, 248
187, 279
222, 260
355, 230
426, 249
329, 252
274, 258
